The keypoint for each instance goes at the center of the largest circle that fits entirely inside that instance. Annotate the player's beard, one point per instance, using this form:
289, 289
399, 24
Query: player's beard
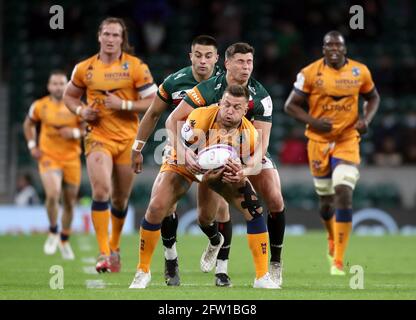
58, 96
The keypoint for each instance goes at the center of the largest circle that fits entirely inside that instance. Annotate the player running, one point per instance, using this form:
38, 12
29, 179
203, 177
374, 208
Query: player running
239, 66
331, 86
223, 124
203, 57
58, 156
118, 87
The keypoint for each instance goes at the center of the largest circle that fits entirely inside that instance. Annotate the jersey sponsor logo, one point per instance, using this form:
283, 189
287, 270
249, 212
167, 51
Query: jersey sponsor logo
116, 76
88, 75
180, 75
195, 97
268, 106
337, 107
252, 89
179, 94
347, 83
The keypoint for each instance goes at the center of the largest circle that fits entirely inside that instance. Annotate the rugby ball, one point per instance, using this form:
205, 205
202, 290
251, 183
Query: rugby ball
215, 156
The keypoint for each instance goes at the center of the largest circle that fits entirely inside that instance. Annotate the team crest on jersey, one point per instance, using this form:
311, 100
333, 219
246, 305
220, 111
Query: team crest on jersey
355, 72
125, 66
218, 86
316, 164
88, 76
319, 83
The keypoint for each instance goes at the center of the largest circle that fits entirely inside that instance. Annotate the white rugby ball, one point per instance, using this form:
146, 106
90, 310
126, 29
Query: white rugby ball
215, 156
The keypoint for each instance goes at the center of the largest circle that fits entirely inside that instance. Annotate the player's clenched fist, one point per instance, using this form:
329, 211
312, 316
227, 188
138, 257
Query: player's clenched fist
89, 113
111, 101
136, 161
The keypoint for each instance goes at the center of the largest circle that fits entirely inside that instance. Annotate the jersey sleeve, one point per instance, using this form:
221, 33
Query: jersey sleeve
367, 82
302, 85
165, 91
198, 96
78, 75
143, 80
263, 107
34, 112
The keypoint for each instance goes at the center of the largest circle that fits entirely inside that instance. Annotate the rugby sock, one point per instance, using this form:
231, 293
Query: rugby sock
65, 235
117, 221
258, 240
226, 229
342, 230
100, 220
221, 266
53, 229
168, 233
212, 233
327, 218
276, 226
329, 226
149, 236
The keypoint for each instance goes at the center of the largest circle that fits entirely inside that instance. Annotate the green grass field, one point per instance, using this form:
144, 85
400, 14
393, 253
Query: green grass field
389, 265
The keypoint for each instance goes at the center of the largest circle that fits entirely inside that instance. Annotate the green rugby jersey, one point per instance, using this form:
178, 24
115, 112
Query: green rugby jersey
260, 106
176, 85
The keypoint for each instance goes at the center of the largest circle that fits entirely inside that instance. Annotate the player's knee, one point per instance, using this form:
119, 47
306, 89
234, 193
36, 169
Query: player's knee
157, 211
223, 212
119, 203
100, 192
326, 210
68, 205
250, 201
205, 216
205, 220
274, 201
223, 215
345, 175
52, 198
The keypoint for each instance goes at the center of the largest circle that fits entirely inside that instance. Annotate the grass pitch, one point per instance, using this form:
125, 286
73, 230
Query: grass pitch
389, 265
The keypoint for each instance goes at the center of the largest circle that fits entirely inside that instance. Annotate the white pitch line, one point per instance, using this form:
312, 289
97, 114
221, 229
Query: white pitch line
95, 284
89, 270
88, 260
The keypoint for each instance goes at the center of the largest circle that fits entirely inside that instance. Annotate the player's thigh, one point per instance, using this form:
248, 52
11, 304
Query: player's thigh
347, 152
319, 154
72, 172
100, 167
123, 179
167, 189
267, 185
211, 205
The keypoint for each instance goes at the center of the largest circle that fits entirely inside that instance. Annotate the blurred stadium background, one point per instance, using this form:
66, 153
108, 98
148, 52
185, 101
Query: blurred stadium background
287, 35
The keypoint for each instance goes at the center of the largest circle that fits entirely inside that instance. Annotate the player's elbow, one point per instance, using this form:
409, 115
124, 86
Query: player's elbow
288, 107
169, 122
